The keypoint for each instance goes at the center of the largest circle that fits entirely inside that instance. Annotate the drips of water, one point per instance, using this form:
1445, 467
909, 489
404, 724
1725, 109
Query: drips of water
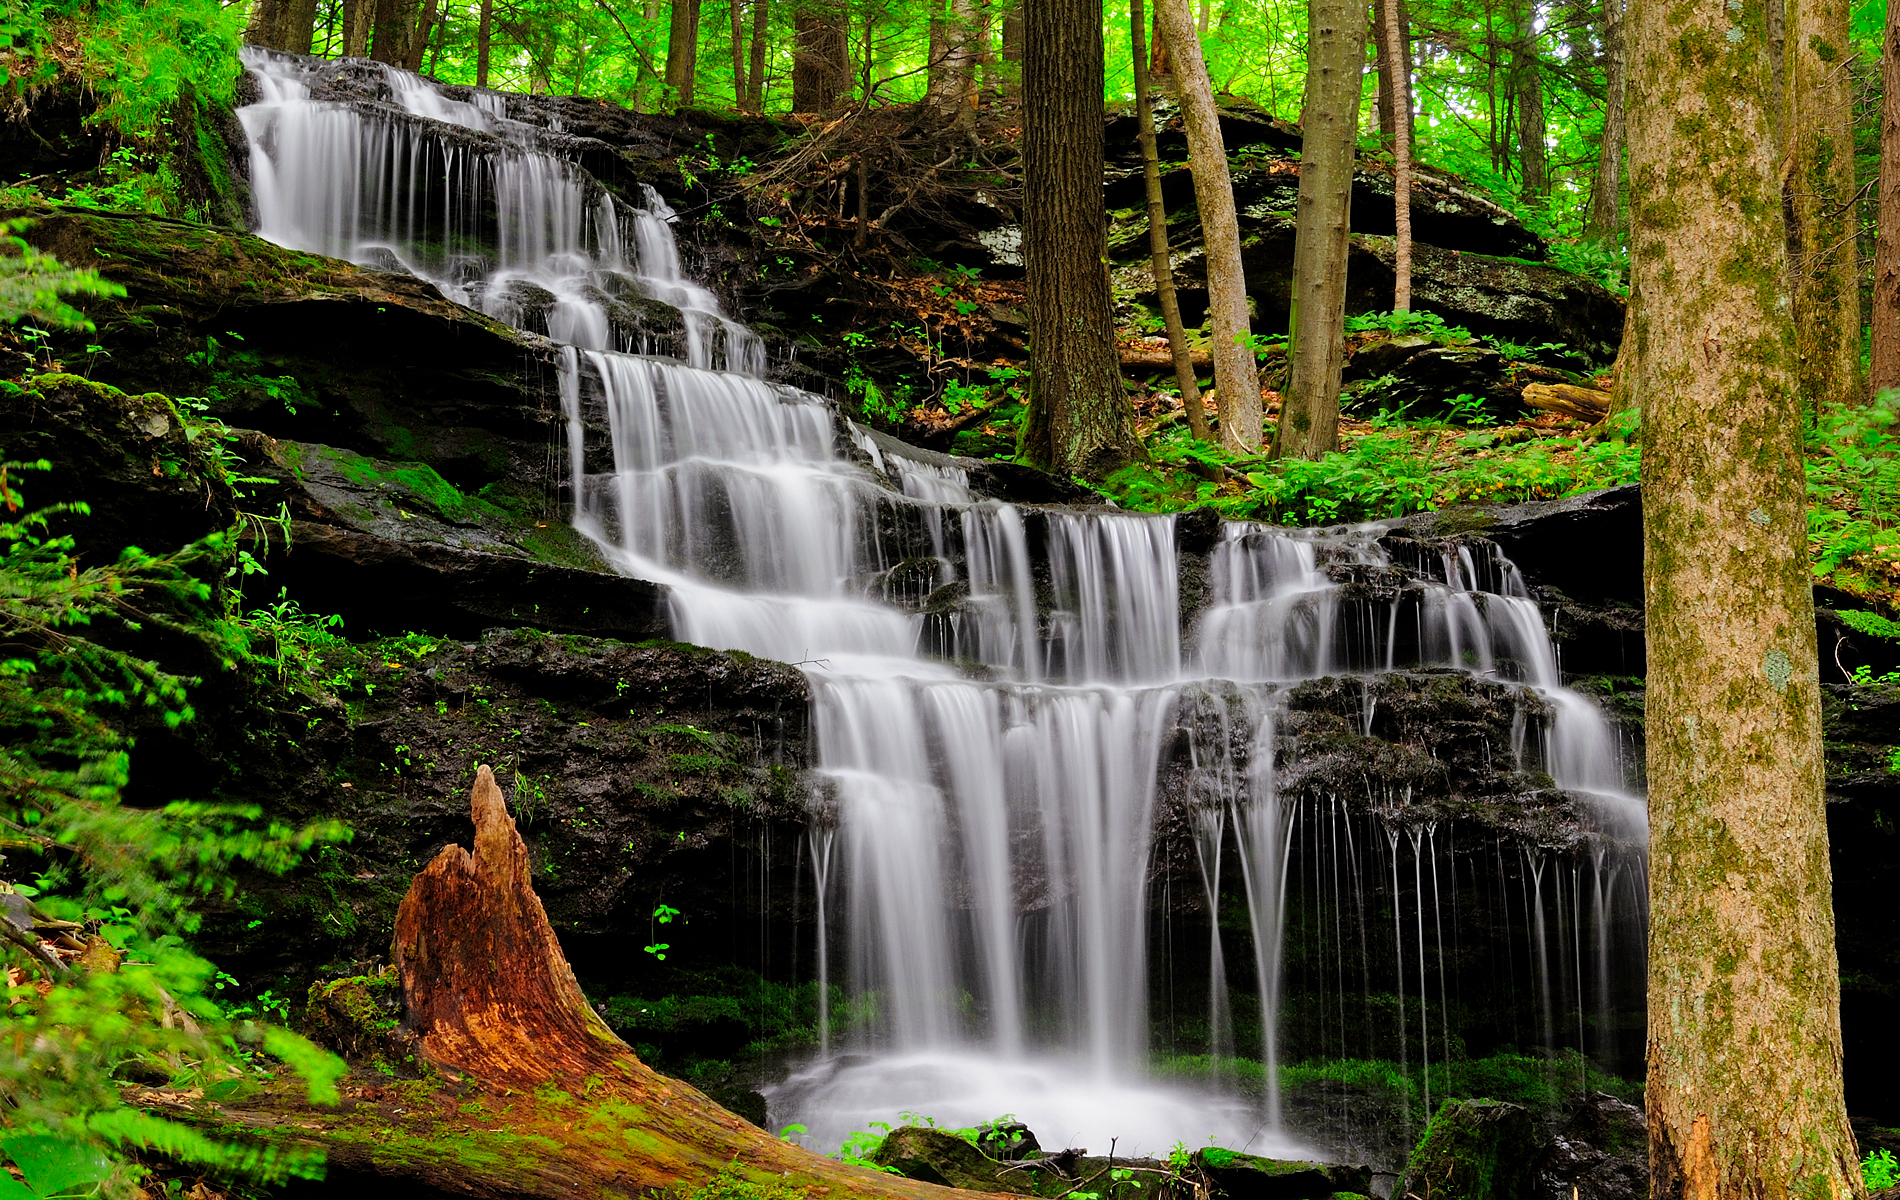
985, 832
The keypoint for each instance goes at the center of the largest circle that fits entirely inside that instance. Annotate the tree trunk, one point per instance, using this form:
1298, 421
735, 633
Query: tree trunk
1236, 376
1309, 414
395, 29
953, 58
644, 75
358, 16
736, 22
1079, 419
821, 60
1884, 367
419, 40
1010, 36
1401, 141
1384, 103
1158, 231
682, 52
483, 32
1744, 1082
533, 1097
260, 28
1533, 157
1605, 223
1821, 202
755, 82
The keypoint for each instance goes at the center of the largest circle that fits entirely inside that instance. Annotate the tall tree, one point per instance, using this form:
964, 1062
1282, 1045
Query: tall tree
682, 51
1744, 1084
821, 58
953, 54
1079, 417
1605, 223
1384, 103
281, 24
735, 10
484, 33
1236, 376
1158, 230
394, 30
1309, 412
1400, 68
1884, 361
755, 75
359, 17
1527, 98
1822, 201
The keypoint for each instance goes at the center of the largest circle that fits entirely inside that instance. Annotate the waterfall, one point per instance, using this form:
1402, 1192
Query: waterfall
996, 690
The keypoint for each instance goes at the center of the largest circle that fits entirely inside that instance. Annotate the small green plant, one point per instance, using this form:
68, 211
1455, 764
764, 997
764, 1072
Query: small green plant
731, 1184
1428, 324
1467, 409
1879, 1170
662, 915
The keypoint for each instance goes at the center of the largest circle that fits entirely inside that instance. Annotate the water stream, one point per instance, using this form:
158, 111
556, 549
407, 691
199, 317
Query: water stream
996, 690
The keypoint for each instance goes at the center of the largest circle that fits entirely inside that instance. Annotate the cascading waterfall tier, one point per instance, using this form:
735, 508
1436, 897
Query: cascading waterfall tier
998, 692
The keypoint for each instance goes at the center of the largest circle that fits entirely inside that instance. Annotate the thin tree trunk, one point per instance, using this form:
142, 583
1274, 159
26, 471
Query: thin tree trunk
644, 76
1079, 419
755, 83
1884, 370
483, 32
1533, 156
1744, 1052
1236, 376
682, 52
419, 40
1401, 68
1158, 231
1309, 414
1606, 195
1385, 103
1821, 202
736, 15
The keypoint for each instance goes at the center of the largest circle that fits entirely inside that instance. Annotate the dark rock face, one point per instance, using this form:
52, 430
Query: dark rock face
1602, 1152
1475, 1150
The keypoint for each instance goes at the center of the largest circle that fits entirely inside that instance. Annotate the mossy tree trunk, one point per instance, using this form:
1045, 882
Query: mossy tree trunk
1822, 201
1744, 1083
1079, 420
682, 52
1335, 50
1884, 363
1236, 377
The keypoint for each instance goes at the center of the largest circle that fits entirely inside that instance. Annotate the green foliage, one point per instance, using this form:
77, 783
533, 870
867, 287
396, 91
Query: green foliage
1879, 1170
123, 879
1413, 322
1872, 624
32, 283
140, 57
1530, 1079
1853, 470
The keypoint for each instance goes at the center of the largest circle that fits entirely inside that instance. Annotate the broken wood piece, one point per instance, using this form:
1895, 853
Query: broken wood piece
1584, 404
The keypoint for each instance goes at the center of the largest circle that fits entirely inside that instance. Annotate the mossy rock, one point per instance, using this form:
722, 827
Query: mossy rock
359, 1016
1248, 1177
1475, 1150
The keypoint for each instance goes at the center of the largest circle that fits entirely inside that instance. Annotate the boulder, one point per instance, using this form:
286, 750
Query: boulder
1601, 1152
938, 1156
1248, 1177
1475, 1150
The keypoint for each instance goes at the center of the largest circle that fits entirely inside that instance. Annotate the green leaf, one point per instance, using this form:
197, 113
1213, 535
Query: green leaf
57, 1165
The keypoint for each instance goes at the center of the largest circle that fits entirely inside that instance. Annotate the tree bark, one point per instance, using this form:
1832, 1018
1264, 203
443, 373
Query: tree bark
821, 60
260, 28
1605, 223
1744, 1083
395, 29
1401, 142
419, 40
1309, 414
358, 16
1384, 104
953, 58
483, 33
1163, 267
1079, 419
755, 81
1821, 202
1236, 375
1533, 157
533, 1096
1884, 365
736, 22
682, 52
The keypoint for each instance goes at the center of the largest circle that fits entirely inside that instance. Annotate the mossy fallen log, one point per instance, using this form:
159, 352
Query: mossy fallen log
525, 1092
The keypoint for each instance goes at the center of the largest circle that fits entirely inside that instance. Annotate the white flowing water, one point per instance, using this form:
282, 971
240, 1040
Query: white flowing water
983, 837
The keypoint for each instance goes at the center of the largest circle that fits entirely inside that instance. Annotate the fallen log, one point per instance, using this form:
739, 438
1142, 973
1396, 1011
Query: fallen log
1584, 404
528, 1093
